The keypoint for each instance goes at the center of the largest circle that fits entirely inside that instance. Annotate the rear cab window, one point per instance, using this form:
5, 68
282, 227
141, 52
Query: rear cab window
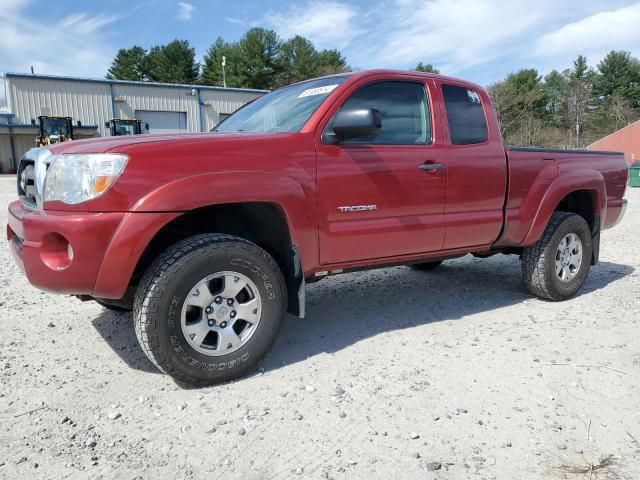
465, 115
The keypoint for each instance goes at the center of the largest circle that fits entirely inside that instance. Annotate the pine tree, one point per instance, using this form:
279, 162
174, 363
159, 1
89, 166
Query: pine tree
258, 52
555, 89
425, 67
212, 65
619, 75
173, 63
331, 62
579, 97
298, 60
128, 64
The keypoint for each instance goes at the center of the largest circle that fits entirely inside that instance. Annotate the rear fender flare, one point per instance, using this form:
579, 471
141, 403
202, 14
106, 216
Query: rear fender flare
562, 186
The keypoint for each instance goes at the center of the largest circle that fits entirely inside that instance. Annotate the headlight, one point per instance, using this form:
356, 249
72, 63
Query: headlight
77, 178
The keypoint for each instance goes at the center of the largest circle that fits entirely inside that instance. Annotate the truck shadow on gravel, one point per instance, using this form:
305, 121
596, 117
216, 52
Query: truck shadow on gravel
117, 330
345, 309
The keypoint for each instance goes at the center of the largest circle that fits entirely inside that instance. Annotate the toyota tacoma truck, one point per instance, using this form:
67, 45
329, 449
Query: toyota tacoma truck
210, 238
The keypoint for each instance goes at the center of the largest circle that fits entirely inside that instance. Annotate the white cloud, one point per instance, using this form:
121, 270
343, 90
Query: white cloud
455, 34
74, 45
185, 11
593, 36
485, 38
236, 21
328, 24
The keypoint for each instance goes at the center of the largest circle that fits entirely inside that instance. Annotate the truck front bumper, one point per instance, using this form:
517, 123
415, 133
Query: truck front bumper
60, 252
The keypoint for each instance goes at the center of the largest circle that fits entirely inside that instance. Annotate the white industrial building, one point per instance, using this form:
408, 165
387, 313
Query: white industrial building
166, 108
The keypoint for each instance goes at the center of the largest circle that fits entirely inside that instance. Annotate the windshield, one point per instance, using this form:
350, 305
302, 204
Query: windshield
55, 126
283, 110
124, 128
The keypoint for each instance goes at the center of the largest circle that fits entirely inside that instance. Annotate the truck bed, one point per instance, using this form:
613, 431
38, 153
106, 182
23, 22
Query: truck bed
532, 172
562, 150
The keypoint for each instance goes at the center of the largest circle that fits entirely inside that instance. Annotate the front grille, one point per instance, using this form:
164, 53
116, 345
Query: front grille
31, 175
17, 241
27, 181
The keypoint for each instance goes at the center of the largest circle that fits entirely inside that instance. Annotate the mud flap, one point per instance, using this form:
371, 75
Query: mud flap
296, 285
595, 240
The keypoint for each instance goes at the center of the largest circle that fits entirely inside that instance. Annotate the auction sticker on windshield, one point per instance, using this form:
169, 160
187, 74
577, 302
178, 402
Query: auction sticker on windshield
318, 90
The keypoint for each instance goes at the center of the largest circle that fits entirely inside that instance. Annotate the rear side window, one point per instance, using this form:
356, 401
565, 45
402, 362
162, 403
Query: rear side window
404, 110
465, 115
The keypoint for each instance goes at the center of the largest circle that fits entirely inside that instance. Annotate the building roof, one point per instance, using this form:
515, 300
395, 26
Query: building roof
129, 82
627, 140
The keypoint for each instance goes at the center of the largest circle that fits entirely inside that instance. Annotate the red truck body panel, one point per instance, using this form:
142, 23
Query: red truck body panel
540, 178
483, 196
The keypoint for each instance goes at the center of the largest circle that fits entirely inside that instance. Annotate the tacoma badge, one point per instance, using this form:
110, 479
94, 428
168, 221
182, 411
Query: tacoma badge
357, 208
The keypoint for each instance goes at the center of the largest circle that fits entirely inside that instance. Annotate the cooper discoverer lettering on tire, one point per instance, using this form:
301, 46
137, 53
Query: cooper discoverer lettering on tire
209, 308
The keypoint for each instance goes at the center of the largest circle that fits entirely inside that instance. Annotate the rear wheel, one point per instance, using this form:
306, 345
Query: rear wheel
556, 267
209, 308
426, 265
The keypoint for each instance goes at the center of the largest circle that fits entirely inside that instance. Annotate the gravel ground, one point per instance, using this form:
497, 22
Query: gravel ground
452, 374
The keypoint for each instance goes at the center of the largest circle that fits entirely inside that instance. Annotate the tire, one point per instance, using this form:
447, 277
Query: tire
539, 267
426, 266
164, 308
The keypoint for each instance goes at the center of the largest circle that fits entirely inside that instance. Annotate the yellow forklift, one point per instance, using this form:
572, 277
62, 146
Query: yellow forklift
53, 130
122, 126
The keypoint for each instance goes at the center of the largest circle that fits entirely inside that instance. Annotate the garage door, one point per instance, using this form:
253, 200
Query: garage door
163, 122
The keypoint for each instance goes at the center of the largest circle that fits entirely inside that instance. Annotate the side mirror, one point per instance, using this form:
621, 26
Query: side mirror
354, 123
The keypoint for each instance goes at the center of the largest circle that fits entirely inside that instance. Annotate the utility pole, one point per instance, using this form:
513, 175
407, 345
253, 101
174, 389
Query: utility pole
224, 78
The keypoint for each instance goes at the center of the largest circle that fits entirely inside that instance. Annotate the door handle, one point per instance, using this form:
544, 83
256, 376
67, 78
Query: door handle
432, 166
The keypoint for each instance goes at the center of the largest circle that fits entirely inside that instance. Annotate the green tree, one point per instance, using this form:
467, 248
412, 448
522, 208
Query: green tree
425, 67
212, 65
258, 64
619, 75
519, 102
579, 98
173, 63
129, 64
555, 94
331, 62
298, 60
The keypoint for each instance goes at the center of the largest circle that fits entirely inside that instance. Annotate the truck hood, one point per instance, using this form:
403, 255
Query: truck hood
106, 144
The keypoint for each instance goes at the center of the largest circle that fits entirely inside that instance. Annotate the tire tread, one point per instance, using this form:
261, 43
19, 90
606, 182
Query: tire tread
155, 282
534, 259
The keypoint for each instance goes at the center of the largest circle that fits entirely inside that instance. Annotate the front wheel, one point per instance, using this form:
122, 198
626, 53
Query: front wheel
556, 267
209, 308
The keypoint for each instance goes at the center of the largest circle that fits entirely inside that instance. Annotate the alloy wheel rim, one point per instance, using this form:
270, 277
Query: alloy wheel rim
221, 313
568, 257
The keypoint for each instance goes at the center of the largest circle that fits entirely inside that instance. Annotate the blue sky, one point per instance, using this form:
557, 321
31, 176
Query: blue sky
480, 40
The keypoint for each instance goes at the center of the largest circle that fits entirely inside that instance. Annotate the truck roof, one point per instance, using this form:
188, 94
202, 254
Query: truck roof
387, 71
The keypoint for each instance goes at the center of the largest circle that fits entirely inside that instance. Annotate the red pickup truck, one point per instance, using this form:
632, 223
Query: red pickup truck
210, 237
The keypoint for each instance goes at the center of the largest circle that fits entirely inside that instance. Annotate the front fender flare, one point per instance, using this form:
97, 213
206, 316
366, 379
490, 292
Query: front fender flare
152, 212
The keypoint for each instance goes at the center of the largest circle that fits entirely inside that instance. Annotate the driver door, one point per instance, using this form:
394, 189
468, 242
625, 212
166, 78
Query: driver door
376, 197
